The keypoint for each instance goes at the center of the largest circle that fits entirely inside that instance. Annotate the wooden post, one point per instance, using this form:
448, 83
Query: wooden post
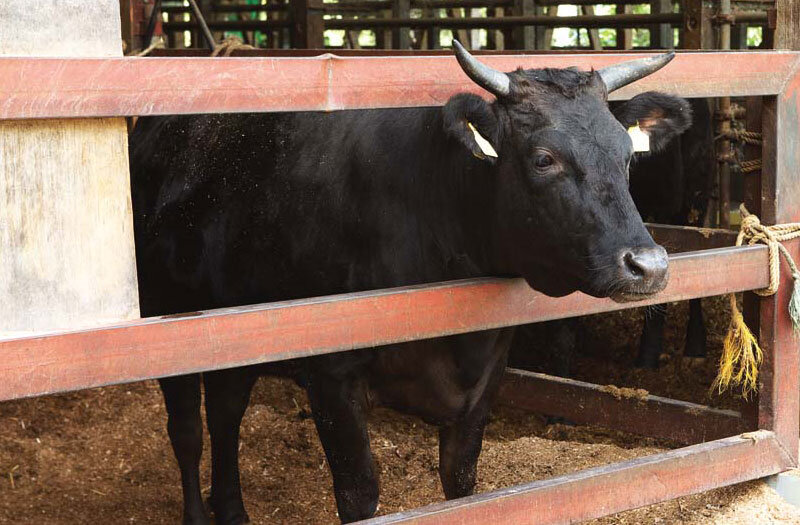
544, 35
787, 23
780, 192
752, 199
206, 10
594, 32
126, 24
697, 31
661, 34
401, 38
525, 36
66, 231
724, 127
499, 39
135, 15
624, 36
307, 27
433, 32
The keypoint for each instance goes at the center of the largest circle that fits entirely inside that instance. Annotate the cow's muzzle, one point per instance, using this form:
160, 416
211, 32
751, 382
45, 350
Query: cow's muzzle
641, 273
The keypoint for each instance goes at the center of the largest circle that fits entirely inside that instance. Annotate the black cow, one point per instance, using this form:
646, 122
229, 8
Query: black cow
671, 186
250, 208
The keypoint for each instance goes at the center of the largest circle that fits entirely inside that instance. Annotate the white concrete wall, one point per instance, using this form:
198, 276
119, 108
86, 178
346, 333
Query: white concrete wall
66, 235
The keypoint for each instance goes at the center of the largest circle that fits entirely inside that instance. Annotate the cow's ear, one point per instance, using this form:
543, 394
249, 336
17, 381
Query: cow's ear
662, 117
470, 120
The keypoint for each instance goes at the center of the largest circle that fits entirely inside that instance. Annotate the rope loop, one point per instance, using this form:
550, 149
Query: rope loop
752, 232
741, 354
229, 45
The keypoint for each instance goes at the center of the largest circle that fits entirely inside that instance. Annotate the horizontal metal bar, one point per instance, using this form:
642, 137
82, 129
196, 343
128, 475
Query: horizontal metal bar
605, 490
227, 8
87, 87
624, 20
749, 17
150, 348
687, 238
618, 409
387, 4
230, 25
375, 52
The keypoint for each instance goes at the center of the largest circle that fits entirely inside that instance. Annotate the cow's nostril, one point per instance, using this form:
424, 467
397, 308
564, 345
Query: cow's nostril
644, 270
632, 265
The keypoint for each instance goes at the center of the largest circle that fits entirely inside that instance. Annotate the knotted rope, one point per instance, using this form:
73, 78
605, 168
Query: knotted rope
229, 45
749, 166
155, 44
741, 354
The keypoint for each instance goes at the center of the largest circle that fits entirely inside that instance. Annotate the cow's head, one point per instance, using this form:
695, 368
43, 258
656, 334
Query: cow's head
562, 215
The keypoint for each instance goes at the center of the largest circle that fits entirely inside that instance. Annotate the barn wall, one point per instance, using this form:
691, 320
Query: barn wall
66, 234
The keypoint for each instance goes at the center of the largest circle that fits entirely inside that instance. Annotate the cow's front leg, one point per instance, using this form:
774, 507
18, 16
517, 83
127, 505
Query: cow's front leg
185, 429
459, 448
227, 396
460, 442
695, 349
337, 407
651, 344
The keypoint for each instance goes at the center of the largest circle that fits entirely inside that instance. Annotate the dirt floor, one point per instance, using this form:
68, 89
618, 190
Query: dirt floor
103, 455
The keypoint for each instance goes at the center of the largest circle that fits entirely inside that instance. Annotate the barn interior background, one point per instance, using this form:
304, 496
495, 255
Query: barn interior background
748, 140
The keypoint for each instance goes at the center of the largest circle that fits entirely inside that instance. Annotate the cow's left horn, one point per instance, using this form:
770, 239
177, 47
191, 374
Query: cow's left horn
493, 81
623, 74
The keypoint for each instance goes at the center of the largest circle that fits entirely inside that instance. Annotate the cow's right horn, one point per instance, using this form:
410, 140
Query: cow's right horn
493, 81
622, 74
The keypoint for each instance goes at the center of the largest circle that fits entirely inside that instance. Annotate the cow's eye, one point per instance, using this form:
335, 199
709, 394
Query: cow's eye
543, 160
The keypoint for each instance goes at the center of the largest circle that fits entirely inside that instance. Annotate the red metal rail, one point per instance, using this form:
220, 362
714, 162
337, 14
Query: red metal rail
84, 87
253, 334
605, 490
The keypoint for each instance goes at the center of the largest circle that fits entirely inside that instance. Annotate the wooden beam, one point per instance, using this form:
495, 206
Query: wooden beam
627, 410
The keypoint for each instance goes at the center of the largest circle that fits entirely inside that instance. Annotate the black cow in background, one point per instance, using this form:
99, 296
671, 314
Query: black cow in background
250, 208
672, 186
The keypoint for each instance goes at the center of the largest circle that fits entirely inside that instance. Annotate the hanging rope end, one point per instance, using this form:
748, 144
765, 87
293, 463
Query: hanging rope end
741, 357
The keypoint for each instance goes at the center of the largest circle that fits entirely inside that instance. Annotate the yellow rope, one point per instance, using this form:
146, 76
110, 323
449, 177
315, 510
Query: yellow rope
156, 43
749, 166
752, 231
229, 45
741, 354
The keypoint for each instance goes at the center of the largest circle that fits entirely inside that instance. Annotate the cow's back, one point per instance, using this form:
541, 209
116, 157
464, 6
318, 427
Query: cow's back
247, 208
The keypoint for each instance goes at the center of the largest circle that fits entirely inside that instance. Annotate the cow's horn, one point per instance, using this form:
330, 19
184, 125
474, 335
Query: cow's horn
489, 79
623, 74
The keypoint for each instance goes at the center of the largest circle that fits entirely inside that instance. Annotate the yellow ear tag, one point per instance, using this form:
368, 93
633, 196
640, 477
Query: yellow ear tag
484, 144
640, 139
